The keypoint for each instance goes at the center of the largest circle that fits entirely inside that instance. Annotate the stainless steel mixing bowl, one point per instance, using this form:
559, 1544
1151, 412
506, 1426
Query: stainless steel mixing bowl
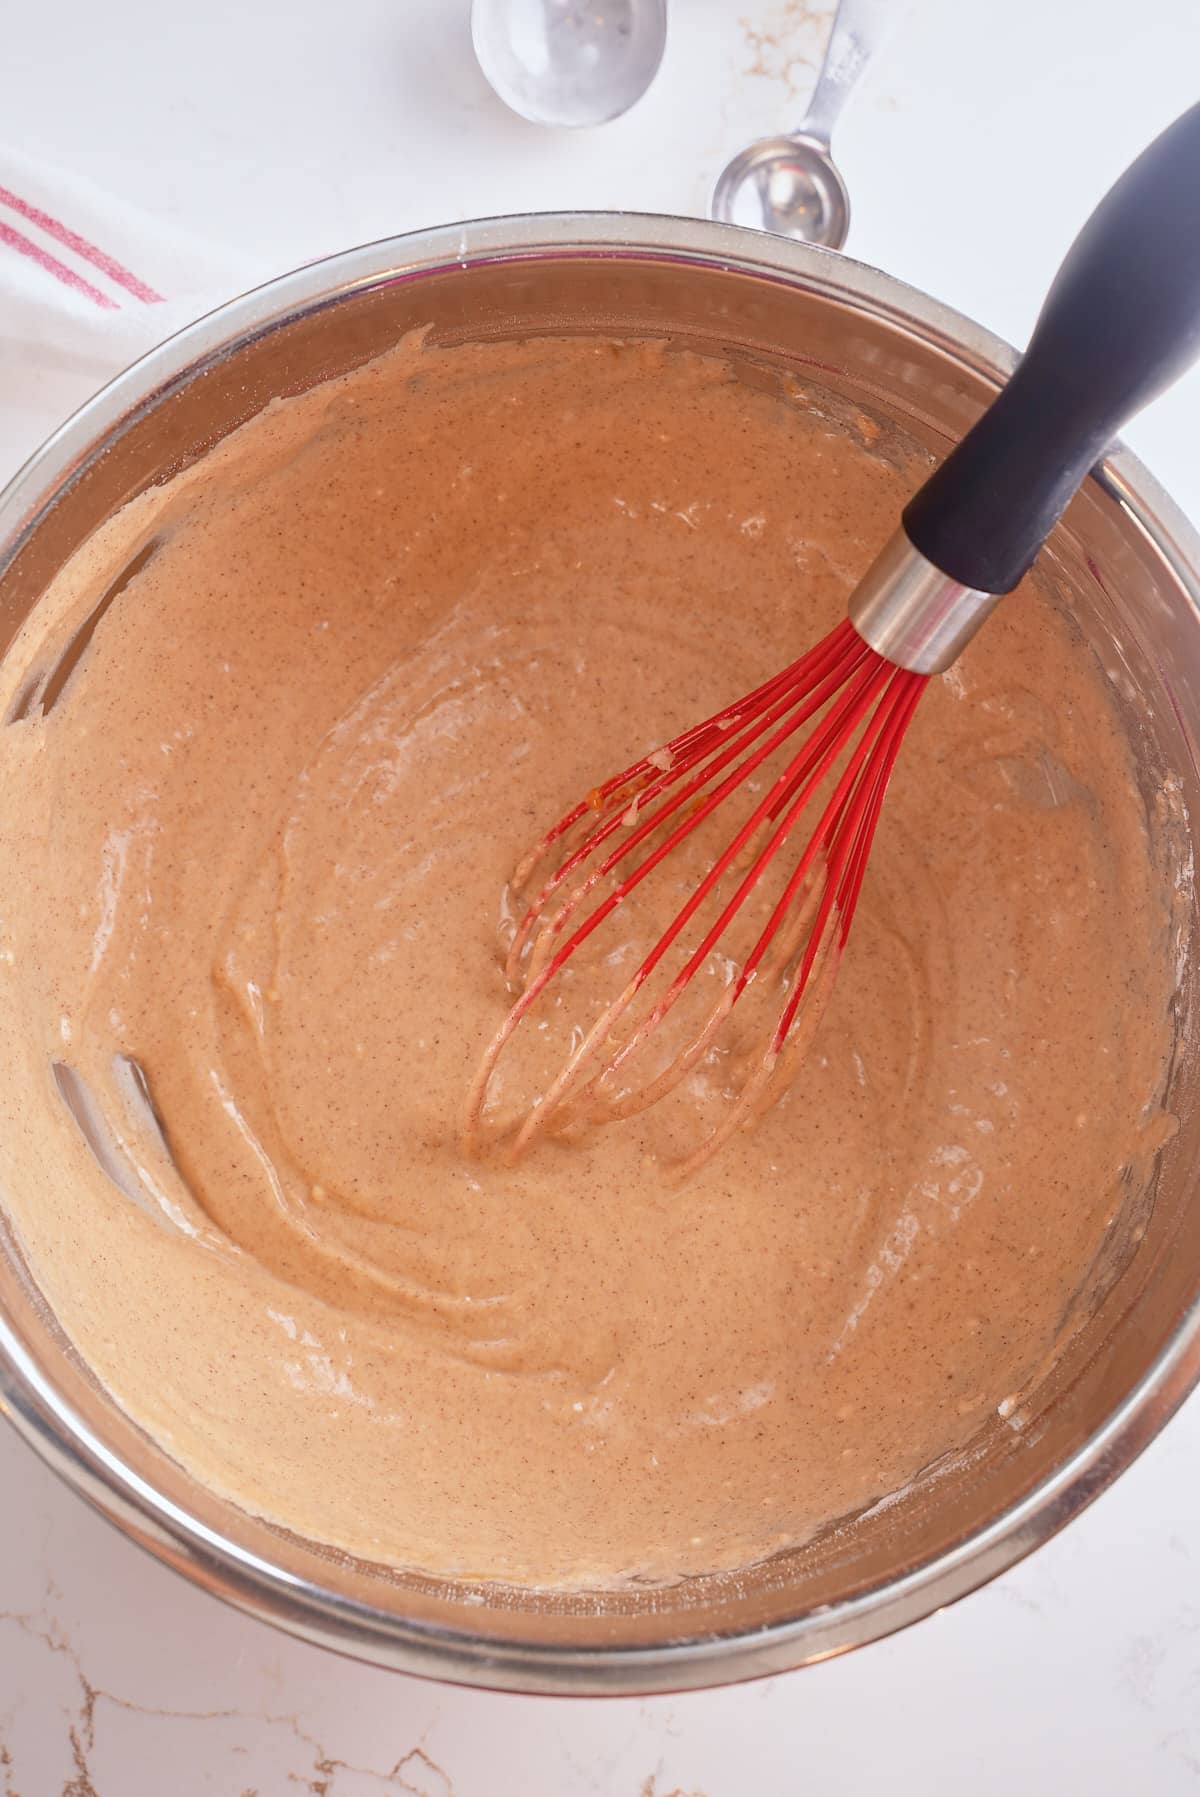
1127, 565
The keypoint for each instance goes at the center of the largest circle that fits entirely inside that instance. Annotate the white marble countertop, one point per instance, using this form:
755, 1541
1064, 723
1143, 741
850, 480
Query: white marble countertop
977, 145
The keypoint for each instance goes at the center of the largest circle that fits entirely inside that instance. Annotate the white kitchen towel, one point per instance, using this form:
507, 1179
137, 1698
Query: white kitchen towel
88, 283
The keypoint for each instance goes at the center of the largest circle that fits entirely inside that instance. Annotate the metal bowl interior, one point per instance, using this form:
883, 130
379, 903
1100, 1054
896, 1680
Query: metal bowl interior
1125, 564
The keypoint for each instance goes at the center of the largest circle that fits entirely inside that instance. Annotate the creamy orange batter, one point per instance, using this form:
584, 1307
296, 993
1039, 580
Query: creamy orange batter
253, 857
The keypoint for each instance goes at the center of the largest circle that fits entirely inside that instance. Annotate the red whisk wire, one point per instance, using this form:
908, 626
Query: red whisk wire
845, 655
799, 674
863, 706
853, 828
810, 766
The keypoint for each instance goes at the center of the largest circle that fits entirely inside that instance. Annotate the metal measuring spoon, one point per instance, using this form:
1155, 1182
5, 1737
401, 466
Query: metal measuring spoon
791, 184
569, 62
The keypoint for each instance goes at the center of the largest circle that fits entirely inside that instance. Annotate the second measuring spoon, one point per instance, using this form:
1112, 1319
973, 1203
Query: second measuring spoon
791, 184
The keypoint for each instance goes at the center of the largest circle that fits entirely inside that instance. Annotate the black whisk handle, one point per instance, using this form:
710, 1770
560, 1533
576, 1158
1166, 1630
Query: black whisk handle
1120, 323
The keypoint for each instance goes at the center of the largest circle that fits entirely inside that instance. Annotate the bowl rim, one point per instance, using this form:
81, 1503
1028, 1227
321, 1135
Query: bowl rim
29, 1397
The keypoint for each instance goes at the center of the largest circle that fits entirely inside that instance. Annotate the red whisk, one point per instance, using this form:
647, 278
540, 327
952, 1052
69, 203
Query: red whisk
676, 790
968, 536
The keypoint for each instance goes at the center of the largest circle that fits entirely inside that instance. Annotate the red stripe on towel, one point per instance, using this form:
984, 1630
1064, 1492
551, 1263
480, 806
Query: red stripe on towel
24, 247
108, 265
